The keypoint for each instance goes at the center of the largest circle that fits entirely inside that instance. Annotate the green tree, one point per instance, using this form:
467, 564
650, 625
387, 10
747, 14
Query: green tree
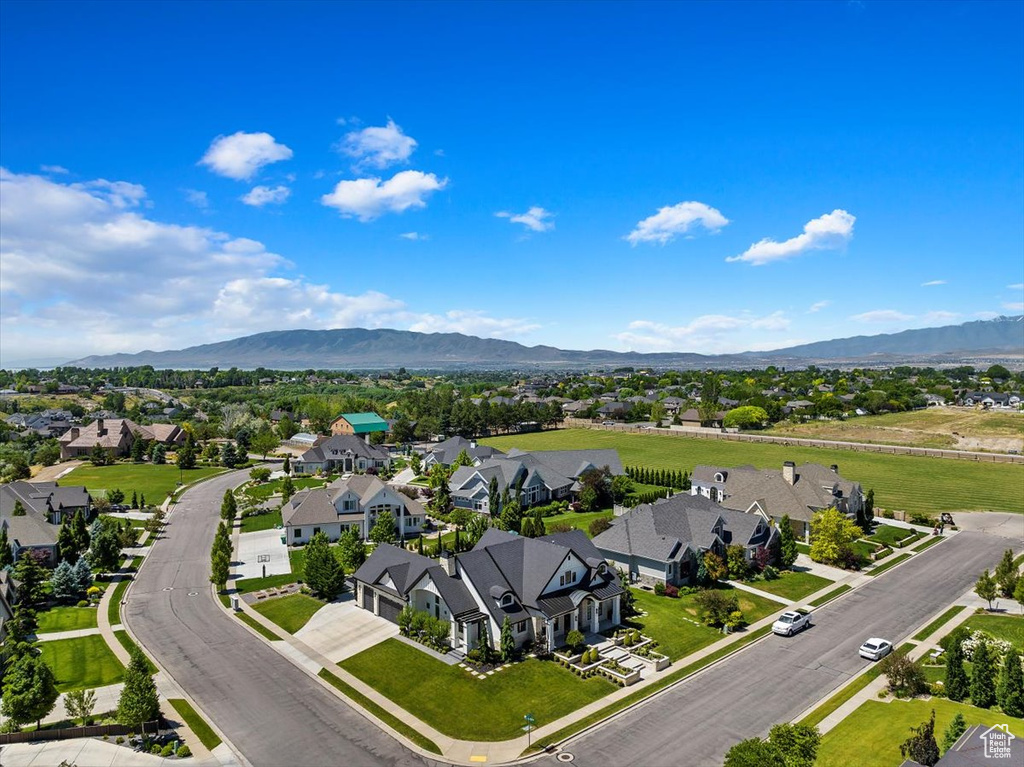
415, 463
746, 417
508, 642
63, 584
715, 607
986, 588
79, 704
6, 553
186, 454
754, 752
30, 690
158, 454
264, 443
105, 549
138, 448
736, 559
983, 677
493, 497
588, 498
921, 746
1011, 685
81, 531
19, 509
956, 684
511, 515
788, 551
1018, 593
30, 576
351, 549
220, 557
575, 639
441, 501
798, 743
286, 467
956, 728
462, 459
228, 457
832, 537
98, 456
627, 602
48, 453
869, 506
138, 702
383, 530
228, 506
323, 574
906, 677
476, 528
67, 546
1006, 575
715, 566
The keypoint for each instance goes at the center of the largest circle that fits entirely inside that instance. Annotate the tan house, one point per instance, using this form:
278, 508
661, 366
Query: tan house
115, 435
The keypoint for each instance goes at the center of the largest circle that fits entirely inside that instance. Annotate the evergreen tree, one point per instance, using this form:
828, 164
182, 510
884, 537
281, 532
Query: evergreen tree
788, 551
81, 532
493, 497
921, 746
220, 558
139, 702
158, 454
687, 484
82, 574
228, 506
956, 685
627, 602
138, 449
983, 677
383, 530
227, 455
508, 642
1006, 575
323, 574
956, 728
187, 453
30, 690
986, 588
62, 583
287, 489
869, 507
419, 544
19, 509
1011, 685
135, 500
6, 553
30, 576
702, 577
286, 467
511, 515
105, 549
476, 528
67, 547
98, 456
142, 500
352, 550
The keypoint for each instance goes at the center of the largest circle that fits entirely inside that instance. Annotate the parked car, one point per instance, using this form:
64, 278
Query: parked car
875, 649
791, 622
608, 423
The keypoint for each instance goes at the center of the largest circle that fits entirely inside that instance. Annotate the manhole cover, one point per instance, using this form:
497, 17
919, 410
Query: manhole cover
193, 593
565, 756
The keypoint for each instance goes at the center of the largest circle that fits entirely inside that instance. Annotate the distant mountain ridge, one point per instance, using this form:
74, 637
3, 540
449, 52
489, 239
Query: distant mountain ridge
359, 348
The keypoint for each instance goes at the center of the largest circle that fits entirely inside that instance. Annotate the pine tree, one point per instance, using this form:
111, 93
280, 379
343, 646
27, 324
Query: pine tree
220, 557
687, 484
30, 690
956, 728
1011, 685
6, 553
139, 702
702, 576
83, 575
30, 576
81, 532
135, 500
956, 685
228, 506
287, 489
62, 582
142, 500
788, 549
287, 466
1006, 574
493, 497
352, 550
105, 549
983, 677
67, 546
187, 453
508, 642
323, 574
921, 746
419, 544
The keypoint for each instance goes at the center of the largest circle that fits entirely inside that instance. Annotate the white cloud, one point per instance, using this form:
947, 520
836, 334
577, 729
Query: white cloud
536, 218
472, 323
197, 198
677, 219
1014, 306
259, 196
378, 147
54, 169
986, 315
1016, 286
932, 283
369, 198
818, 306
939, 315
882, 315
241, 155
716, 333
831, 231
414, 236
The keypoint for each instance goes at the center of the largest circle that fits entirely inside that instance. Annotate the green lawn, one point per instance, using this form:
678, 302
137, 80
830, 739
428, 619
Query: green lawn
114, 605
264, 491
891, 535
930, 542
291, 612
262, 522
891, 563
153, 481
248, 585
196, 723
462, 706
670, 621
297, 557
833, 703
939, 622
258, 627
129, 644
81, 663
831, 595
1007, 627
580, 520
913, 483
793, 585
66, 619
871, 735
803, 548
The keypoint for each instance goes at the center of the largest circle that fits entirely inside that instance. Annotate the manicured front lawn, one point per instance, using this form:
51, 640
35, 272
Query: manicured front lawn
871, 735
831, 595
297, 558
81, 663
153, 481
114, 603
261, 522
196, 723
891, 535
248, 585
891, 563
942, 620
793, 585
291, 612
66, 619
264, 491
462, 706
1008, 627
581, 520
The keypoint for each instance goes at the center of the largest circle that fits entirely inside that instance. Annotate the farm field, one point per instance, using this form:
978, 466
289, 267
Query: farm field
911, 483
952, 428
153, 481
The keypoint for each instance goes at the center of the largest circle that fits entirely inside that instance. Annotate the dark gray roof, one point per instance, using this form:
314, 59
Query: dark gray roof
969, 750
339, 445
446, 452
406, 568
572, 463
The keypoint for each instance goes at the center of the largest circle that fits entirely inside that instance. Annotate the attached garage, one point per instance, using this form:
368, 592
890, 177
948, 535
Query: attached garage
367, 598
389, 608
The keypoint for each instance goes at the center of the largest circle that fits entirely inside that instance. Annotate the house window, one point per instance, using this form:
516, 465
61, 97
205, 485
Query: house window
561, 580
520, 627
316, 530
298, 532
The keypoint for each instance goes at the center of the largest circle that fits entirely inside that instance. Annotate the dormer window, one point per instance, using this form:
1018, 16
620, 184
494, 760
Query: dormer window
506, 601
719, 476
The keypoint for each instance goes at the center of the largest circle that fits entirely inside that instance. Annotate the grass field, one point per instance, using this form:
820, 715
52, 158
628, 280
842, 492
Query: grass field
1008, 627
66, 619
462, 706
81, 663
196, 723
793, 585
291, 612
154, 482
936, 624
911, 483
871, 735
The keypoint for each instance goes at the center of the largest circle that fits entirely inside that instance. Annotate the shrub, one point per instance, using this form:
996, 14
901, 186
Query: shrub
183, 752
83, 602
627, 640
906, 678
918, 518
155, 749
671, 591
716, 606
560, 527
119, 740
575, 639
659, 589
94, 591
167, 750
736, 619
770, 573
598, 526
886, 514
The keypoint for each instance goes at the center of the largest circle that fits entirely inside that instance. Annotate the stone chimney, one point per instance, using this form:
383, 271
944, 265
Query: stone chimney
472, 445
74, 432
789, 472
448, 562
100, 430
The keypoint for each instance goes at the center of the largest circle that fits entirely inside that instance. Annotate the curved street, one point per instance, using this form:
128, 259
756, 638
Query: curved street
271, 711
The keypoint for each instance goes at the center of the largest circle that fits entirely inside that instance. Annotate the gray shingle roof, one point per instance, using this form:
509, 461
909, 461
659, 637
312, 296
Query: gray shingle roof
339, 445
406, 568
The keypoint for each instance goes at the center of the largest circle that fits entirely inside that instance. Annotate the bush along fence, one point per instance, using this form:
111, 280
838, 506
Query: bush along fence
90, 731
677, 480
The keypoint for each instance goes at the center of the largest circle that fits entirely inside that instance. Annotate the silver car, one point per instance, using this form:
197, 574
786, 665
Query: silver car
875, 649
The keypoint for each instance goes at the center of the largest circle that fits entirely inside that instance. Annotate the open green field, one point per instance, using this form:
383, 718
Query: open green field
580, 520
66, 619
793, 585
911, 483
291, 612
1007, 627
153, 481
871, 735
452, 701
81, 663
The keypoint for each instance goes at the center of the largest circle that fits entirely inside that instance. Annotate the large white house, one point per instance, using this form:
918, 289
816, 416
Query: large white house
342, 453
354, 501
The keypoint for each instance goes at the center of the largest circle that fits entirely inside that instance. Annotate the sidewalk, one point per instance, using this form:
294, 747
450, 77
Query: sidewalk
56, 636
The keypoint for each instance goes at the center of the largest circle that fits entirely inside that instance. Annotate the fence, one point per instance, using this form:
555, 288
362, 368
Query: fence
90, 731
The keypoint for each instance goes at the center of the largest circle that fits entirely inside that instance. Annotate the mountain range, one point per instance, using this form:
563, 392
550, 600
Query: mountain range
359, 348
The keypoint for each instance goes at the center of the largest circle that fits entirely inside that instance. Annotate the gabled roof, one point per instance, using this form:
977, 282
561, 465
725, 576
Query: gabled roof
572, 463
340, 445
313, 507
406, 569
362, 423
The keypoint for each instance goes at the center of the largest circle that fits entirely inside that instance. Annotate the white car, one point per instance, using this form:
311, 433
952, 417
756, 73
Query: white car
791, 622
875, 649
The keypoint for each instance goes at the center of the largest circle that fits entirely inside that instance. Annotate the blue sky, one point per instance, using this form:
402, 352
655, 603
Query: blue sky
670, 176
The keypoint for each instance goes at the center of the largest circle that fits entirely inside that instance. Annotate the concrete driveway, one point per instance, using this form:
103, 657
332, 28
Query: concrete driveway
262, 544
340, 630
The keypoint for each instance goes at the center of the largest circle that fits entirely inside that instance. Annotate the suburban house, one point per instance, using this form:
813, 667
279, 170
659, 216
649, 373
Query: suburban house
46, 507
617, 410
546, 475
361, 424
991, 399
342, 453
115, 436
354, 501
661, 542
8, 598
796, 491
545, 586
446, 452
691, 418
48, 423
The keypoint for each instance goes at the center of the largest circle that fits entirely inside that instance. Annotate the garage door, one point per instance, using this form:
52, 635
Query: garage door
389, 609
367, 598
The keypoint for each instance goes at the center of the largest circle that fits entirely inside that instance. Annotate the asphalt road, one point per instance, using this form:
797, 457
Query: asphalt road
774, 680
270, 710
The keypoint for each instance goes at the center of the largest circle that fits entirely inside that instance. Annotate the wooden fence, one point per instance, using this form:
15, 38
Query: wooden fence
89, 731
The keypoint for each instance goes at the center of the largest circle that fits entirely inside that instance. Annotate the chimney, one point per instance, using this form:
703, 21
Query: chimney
448, 562
472, 445
789, 472
74, 432
100, 431
835, 467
